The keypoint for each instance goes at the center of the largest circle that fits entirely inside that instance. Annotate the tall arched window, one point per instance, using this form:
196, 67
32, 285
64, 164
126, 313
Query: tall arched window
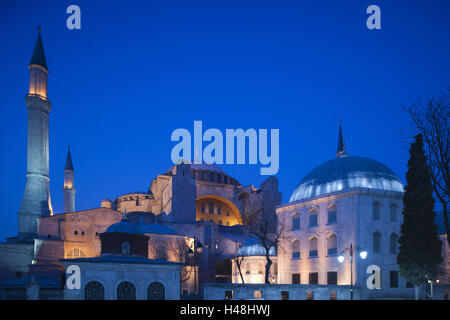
377, 242
376, 211
393, 213
296, 221
247, 268
211, 207
203, 209
332, 214
260, 268
313, 247
313, 218
332, 244
211, 177
296, 249
156, 291
126, 291
393, 243
125, 248
94, 291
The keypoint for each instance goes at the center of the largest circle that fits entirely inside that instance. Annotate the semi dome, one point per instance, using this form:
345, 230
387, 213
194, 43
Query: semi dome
253, 247
345, 173
124, 226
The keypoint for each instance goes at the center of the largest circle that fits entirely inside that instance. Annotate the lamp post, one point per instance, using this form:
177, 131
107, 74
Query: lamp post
196, 249
351, 250
431, 282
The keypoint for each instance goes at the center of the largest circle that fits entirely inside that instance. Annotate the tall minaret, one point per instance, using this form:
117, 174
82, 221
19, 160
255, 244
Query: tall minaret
36, 199
69, 186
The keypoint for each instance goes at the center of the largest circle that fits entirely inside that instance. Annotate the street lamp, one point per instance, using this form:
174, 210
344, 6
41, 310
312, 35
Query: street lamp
196, 249
350, 251
431, 282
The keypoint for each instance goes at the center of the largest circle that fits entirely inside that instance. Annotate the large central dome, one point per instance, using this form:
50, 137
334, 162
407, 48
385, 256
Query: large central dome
345, 173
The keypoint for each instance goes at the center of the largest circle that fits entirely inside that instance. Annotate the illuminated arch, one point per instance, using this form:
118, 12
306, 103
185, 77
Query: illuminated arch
228, 214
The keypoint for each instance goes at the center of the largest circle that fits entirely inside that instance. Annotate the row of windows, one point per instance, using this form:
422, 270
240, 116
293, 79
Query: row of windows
220, 222
82, 233
94, 290
313, 218
213, 177
332, 215
376, 212
211, 209
260, 268
332, 278
332, 245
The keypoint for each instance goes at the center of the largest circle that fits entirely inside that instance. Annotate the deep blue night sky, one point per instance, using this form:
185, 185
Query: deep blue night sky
138, 70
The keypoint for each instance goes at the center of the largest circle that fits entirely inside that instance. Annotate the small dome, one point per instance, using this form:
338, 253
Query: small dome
346, 173
106, 200
124, 226
253, 247
156, 228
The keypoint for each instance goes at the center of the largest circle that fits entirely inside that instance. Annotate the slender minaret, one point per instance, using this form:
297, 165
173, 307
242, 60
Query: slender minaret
36, 199
69, 186
341, 144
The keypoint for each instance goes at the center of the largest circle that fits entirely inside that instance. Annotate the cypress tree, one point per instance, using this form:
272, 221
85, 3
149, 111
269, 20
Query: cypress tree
420, 247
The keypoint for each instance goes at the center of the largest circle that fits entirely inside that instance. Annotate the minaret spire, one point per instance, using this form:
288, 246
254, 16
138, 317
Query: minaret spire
36, 198
69, 185
341, 144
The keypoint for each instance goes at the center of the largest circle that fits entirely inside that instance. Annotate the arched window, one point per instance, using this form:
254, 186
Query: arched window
76, 253
156, 291
376, 242
126, 291
296, 249
247, 268
260, 268
393, 243
296, 221
393, 213
219, 210
332, 214
94, 291
125, 248
313, 247
211, 207
313, 218
275, 268
332, 244
211, 177
376, 211
203, 209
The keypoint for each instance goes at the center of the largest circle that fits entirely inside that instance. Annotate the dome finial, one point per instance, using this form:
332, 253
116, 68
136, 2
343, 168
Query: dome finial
341, 144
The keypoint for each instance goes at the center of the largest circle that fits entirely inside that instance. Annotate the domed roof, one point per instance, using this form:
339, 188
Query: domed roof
124, 226
253, 247
345, 173
156, 228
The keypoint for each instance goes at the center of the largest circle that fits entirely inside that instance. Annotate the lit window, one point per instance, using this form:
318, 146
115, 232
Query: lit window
313, 245
296, 249
219, 210
332, 244
260, 268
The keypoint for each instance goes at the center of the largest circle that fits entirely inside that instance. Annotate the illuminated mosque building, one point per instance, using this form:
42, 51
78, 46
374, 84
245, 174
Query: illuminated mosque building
347, 201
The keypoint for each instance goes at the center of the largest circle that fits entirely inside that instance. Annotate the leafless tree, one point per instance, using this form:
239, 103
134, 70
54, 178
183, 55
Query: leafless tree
179, 251
238, 260
264, 225
432, 120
